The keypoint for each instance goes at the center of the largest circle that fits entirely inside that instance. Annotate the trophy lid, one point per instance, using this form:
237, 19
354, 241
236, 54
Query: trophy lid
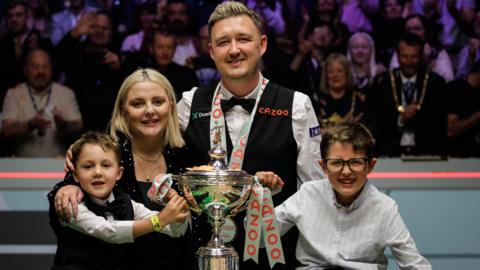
217, 171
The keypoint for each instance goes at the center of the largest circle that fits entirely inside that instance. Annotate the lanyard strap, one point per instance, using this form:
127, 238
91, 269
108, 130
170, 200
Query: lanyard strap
30, 93
217, 122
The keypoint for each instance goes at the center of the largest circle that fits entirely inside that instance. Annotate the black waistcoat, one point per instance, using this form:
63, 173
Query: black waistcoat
271, 145
77, 251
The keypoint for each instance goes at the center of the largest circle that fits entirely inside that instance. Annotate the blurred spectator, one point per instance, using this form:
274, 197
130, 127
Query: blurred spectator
39, 116
40, 17
464, 114
338, 100
436, 58
450, 15
92, 67
355, 14
310, 56
361, 54
178, 21
470, 51
408, 105
388, 25
16, 44
272, 13
203, 64
146, 20
161, 49
65, 20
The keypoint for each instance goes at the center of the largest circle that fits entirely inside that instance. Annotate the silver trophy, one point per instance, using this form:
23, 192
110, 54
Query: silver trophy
220, 193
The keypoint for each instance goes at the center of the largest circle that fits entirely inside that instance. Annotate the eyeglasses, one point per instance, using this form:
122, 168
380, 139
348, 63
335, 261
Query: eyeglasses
354, 164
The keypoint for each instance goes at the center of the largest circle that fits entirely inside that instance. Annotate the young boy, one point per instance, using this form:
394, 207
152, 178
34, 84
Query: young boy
344, 221
107, 216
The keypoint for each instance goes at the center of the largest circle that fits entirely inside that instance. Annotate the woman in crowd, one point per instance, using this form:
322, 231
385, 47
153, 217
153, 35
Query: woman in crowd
361, 53
338, 100
145, 123
434, 55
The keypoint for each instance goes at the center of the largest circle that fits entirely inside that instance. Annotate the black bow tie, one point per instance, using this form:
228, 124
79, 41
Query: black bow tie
246, 103
117, 208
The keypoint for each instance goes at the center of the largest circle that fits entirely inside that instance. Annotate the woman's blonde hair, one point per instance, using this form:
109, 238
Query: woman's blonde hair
340, 58
371, 62
118, 122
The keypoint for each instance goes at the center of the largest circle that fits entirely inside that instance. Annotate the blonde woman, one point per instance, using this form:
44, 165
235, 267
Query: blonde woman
145, 123
338, 99
361, 54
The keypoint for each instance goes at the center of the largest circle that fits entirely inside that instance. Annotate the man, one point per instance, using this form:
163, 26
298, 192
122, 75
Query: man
65, 20
92, 68
39, 115
408, 105
463, 116
283, 135
15, 45
162, 49
178, 21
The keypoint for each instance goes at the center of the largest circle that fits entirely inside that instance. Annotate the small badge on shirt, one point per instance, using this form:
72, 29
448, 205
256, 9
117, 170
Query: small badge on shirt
314, 131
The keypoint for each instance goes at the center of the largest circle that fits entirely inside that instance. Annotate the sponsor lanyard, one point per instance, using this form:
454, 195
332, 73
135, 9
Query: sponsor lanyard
217, 121
262, 224
35, 106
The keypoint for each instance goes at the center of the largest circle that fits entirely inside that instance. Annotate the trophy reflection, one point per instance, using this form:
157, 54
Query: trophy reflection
220, 193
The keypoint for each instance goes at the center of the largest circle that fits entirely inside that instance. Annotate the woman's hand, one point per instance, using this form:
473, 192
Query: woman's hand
66, 196
270, 180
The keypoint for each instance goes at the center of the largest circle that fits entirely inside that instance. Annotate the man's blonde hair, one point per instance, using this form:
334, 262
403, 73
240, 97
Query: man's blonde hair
118, 122
232, 9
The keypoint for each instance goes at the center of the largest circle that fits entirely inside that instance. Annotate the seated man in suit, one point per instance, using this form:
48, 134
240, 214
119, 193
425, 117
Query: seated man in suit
408, 105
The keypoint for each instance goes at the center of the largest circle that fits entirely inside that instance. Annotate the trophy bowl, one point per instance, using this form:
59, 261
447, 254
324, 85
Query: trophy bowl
220, 193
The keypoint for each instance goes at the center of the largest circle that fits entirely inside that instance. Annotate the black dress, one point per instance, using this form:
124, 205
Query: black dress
154, 250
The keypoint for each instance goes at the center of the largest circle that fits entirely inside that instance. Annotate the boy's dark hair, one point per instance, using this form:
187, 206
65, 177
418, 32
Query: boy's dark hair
352, 133
105, 141
475, 67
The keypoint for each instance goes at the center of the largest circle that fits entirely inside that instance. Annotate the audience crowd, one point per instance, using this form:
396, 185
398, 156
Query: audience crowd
407, 69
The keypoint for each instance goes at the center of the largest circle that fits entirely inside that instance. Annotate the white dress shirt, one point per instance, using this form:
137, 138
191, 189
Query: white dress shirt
352, 237
116, 231
303, 121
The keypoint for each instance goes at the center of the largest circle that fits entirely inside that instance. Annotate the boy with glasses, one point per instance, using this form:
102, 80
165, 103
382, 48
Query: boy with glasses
345, 222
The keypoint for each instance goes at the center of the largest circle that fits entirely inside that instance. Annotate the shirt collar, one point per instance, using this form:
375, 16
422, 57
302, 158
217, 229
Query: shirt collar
227, 94
412, 79
355, 204
110, 198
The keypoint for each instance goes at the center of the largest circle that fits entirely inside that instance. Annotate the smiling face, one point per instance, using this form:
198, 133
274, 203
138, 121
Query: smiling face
346, 184
336, 76
97, 170
147, 109
236, 47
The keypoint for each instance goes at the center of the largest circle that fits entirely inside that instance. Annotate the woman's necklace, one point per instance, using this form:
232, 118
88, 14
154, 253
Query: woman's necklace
152, 162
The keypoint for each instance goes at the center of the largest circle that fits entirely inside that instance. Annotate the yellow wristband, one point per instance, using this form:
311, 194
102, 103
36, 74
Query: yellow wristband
156, 223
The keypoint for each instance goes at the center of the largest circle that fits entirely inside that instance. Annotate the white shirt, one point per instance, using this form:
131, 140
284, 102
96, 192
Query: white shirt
116, 231
133, 42
304, 122
183, 51
353, 237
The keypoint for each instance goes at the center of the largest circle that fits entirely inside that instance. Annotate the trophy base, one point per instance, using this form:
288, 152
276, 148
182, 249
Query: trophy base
221, 258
